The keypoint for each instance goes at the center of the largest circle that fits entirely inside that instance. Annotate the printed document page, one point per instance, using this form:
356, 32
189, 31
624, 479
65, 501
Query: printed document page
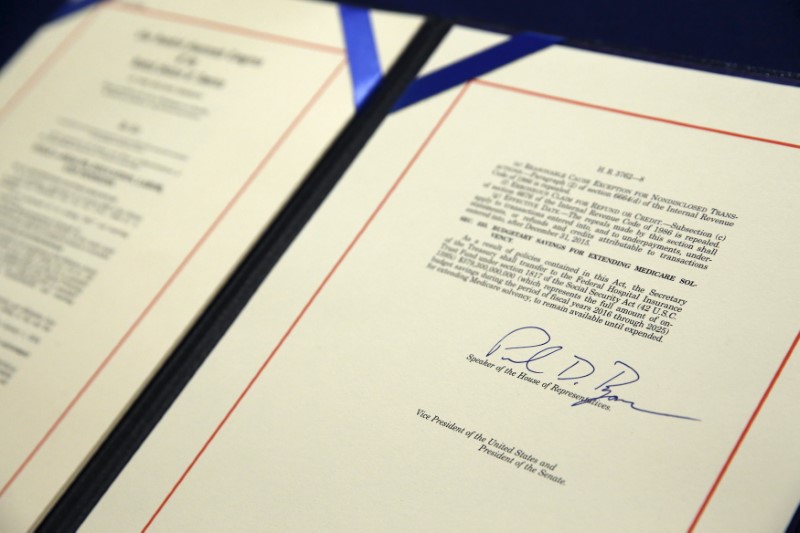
562, 296
144, 148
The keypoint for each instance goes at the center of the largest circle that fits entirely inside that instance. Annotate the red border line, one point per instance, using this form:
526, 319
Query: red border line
49, 61
221, 26
310, 301
239, 193
744, 433
763, 399
46, 65
631, 113
380, 206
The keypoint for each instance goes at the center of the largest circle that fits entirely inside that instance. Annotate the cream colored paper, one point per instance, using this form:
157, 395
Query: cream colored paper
355, 391
144, 148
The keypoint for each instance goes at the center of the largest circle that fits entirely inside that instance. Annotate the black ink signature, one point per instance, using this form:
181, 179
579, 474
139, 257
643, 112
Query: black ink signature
535, 339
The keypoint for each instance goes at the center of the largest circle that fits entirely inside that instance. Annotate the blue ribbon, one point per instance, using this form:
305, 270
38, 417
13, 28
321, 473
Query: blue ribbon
365, 68
69, 7
450, 76
362, 54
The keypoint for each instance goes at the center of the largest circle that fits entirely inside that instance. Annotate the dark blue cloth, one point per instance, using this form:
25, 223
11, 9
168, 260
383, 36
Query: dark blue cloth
747, 36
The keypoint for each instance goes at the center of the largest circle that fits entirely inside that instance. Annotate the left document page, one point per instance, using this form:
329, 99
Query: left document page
143, 148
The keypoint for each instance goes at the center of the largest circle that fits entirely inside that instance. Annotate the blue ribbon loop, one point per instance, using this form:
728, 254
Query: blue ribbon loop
69, 7
490, 59
362, 54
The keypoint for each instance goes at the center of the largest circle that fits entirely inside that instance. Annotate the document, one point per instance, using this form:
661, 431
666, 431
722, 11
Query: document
562, 296
144, 148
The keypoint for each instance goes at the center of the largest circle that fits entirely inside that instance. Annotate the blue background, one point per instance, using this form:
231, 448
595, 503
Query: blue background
755, 38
